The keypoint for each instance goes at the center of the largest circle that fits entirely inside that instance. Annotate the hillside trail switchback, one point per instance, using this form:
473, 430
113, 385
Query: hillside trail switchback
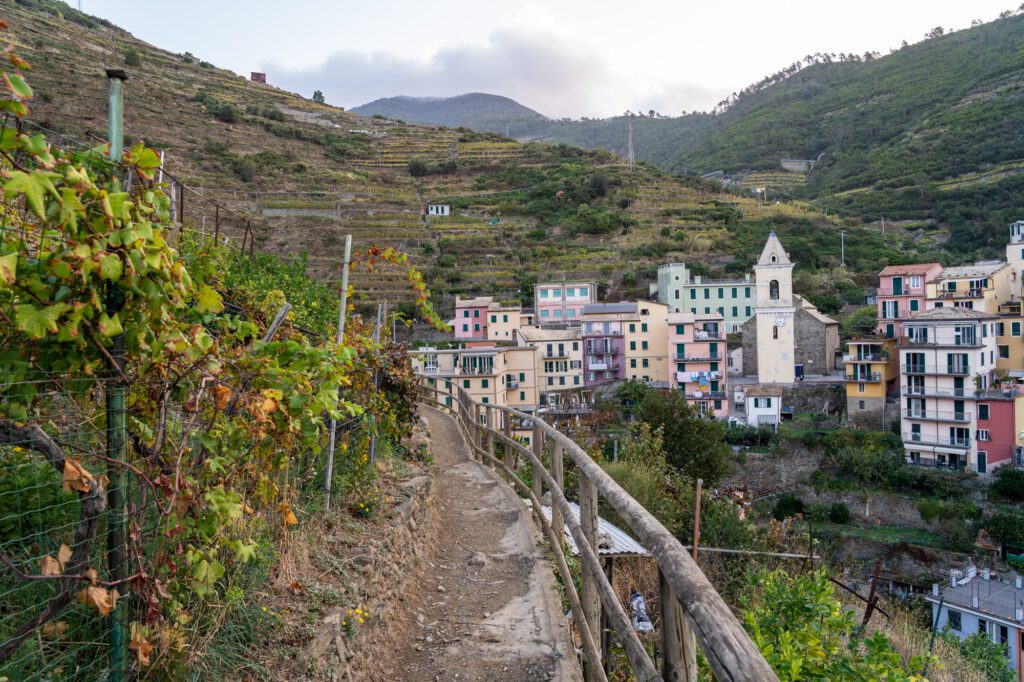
483, 605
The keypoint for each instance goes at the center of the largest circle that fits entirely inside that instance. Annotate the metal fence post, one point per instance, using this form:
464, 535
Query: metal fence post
342, 306
115, 391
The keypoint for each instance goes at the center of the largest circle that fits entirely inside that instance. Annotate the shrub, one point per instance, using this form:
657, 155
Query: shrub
318, 97
418, 168
956, 536
1008, 484
787, 505
839, 513
817, 512
929, 510
132, 57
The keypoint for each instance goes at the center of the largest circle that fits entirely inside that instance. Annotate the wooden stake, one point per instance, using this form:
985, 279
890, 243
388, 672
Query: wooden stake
696, 518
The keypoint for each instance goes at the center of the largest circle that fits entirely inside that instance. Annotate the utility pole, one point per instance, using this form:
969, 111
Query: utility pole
842, 246
341, 337
630, 158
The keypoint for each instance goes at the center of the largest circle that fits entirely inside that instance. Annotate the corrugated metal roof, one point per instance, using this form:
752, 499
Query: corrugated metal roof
608, 308
621, 544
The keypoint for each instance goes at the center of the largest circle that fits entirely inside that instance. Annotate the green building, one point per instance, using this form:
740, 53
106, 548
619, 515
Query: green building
733, 299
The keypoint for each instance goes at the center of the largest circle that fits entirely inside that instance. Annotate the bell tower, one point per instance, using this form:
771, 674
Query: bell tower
775, 314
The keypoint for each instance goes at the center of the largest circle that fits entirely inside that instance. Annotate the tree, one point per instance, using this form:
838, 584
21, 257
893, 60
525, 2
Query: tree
936, 32
318, 97
986, 656
694, 445
804, 633
132, 57
418, 168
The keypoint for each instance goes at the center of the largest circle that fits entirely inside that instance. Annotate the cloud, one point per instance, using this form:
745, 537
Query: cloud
554, 74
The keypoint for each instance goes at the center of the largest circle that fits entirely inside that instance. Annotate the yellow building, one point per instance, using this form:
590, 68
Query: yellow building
1010, 337
872, 373
503, 320
560, 368
984, 286
645, 340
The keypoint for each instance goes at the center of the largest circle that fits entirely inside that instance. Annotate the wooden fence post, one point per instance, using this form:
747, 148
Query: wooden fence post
678, 644
589, 597
557, 464
506, 429
490, 436
476, 435
538, 452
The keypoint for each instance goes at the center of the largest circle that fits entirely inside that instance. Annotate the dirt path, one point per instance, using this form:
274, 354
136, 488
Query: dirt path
485, 607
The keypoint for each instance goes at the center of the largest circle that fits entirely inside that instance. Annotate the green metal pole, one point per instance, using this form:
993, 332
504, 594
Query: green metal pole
115, 390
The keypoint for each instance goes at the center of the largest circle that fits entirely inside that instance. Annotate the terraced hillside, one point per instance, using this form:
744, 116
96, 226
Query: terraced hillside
305, 174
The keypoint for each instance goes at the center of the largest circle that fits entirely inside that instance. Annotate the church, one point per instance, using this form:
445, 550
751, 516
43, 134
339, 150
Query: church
787, 337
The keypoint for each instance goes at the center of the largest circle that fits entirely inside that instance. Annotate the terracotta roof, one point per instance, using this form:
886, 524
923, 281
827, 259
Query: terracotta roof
813, 311
478, 302
910, 269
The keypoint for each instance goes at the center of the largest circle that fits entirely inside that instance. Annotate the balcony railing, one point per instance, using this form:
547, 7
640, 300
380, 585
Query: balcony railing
602, 333
954, 343
937, 416
966, 293
686, 378
956, 464
703, 335
865, 377
512, 383
946, 370
705, 395
864, 357
554, 354
905, 291
685, 357
910, 439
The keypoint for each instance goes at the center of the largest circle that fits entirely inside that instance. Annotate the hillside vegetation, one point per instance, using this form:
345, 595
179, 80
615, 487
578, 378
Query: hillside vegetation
307, 173
476, 110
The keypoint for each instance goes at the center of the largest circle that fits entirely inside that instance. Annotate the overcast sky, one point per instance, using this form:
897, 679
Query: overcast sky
561, 57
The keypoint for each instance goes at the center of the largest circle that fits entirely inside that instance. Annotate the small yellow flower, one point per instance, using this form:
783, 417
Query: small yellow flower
264, 608
360, 620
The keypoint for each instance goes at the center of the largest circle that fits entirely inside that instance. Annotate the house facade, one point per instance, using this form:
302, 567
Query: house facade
503, 320
560, 365
562, 303
983, 286
470, 322
947, 357
901, 293
625, 341
733, 299
698, 358
762, 406
871, 376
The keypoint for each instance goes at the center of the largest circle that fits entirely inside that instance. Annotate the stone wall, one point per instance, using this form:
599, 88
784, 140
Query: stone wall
814, 398
871, 417
813, 347
749, 339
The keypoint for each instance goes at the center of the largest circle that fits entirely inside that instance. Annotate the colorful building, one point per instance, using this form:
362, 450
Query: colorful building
901, 293
983, 286
998, 436
560, 378
980, 602
562, 303
872, 374
698, 357
947, 357
625, 341
733, 299
762, 405
470, 322
503, 320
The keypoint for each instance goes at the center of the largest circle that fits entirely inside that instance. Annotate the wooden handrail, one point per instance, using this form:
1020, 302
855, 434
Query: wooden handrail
693, 609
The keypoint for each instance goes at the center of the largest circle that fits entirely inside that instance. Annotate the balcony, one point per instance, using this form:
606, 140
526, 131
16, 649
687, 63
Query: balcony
555, 354
956, 464
687, 378
582, 408
705, 335
966, 293
511, 383
942, 370
905, 291
697, 358
936, 416
865, 377
865, 357
910, 439
597, 332
933, 392
951, 343
705, 395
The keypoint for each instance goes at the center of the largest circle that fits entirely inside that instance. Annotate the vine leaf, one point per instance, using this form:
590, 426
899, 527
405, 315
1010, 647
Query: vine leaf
38, 322
76, 477
110, 325
17, 85
49, 566
8, 268
63, 556
111, 267
102, 599
221, 396
54, 629
208, 300
142, 648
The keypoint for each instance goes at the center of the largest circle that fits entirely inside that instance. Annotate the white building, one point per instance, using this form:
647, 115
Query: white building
763, 405
439, 209
560, 365
947, 357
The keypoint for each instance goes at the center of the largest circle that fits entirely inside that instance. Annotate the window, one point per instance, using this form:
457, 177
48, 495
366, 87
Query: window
643, 327
983, 626
773, 290
693, 293
676, 294
643, 345
1015, 329
575, 381
1004, 352
632, 328
484, 383
504, 318
561, 381
693, 310
476, 313
953, 620
571, 313
465, 327
570, 292
522, 396
983, 411
494, 319
860, 389
485, 399
522, 376
557, 293
748, 311
551, 381
707, 311
1000, 329
860, 403
476, 327
644, 364
543, 293
721, 292
632, 363
915, 282
543, 313
915, 305
984, 435
680, 329
734, 292
707, 293
775, 331
558, 313
465, 313
632, 345
465, 383
735, 311
746, 292
890, 309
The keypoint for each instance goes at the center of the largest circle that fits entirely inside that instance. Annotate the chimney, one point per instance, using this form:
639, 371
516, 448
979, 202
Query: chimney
1017, 582
974, 600
985, 574
935, 589
1019, 613
952, 577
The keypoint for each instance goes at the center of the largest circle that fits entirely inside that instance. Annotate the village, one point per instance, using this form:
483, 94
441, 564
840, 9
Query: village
942, 369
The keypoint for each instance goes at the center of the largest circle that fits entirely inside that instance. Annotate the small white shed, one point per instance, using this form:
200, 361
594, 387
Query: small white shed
763, 405
439, 209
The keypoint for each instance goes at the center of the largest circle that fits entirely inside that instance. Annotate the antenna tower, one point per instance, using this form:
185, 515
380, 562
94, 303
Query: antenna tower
630, 159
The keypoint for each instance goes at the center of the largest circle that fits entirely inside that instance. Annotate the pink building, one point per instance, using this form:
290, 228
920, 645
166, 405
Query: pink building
562, 303
470, 323
901, 293
698, 357
997, 426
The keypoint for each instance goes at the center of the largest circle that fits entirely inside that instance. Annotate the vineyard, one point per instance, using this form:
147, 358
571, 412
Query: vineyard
164, 412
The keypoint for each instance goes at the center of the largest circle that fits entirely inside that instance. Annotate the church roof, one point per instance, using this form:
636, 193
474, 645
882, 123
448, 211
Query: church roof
773, 253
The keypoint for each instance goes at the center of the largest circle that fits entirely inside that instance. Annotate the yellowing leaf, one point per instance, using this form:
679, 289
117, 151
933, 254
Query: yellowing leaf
142, 648
110, 325
8, 268
63, 556
102, 599
92, 575
208, 300
17, 85
221, 396
111, 267
49, 566
38, 322
76, 477
288, 518
55, 629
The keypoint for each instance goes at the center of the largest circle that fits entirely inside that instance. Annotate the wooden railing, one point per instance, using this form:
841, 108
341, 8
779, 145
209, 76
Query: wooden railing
692, 611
